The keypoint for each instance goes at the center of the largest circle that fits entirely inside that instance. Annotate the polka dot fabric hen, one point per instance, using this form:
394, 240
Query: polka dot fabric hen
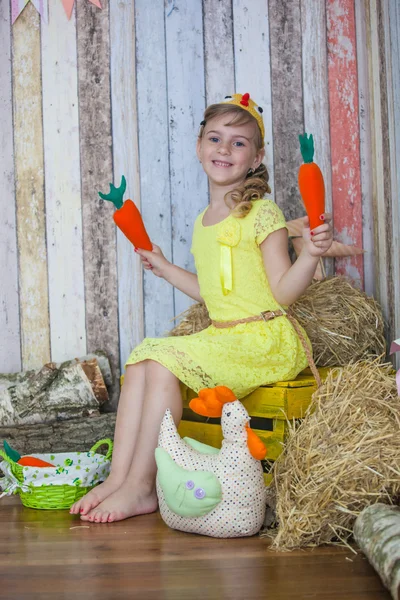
240, 509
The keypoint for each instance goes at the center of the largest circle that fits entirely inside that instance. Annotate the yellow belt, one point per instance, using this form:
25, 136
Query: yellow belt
267, 316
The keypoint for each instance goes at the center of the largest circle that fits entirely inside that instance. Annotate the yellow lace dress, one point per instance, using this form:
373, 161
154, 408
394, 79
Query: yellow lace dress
233, 285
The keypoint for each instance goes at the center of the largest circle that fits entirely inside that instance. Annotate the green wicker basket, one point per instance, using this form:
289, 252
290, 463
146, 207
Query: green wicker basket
55, 496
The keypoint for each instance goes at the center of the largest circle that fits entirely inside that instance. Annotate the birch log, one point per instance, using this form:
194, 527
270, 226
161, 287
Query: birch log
101, 359
96, 367
73, 435
48, 395
93, 373
377, 532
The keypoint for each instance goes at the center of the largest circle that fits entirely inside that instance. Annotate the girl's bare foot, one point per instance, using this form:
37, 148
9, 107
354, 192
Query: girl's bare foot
125, 502
95, 496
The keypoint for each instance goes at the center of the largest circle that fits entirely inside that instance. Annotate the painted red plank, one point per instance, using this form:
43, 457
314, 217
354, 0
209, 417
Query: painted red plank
345, 133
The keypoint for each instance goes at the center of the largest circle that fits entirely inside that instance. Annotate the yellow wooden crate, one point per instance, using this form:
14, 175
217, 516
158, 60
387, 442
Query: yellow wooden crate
284, 400
269, 406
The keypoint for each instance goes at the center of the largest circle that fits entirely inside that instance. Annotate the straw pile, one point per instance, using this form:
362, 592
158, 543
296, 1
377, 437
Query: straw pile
343, 323
194, 319
343, 457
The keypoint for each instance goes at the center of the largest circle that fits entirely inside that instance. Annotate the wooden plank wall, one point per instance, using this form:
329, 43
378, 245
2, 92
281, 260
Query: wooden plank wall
126, 161
10, 353
29, 189
345, 135
392, 65
122, 91
316, 90
63, 185
380, 23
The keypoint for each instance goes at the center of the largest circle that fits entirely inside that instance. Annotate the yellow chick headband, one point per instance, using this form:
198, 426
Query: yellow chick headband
244, 101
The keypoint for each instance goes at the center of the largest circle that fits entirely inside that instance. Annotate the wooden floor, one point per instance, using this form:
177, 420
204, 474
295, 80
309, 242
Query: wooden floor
46, 554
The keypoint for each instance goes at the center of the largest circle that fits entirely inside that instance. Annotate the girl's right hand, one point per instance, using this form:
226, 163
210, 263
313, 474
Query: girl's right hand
153, 260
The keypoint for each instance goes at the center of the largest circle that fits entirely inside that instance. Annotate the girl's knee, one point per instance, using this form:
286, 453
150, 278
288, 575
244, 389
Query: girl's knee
132, 372
156, 369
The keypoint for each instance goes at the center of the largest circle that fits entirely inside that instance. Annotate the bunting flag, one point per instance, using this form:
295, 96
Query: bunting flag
69, 5
17, 6
395, 347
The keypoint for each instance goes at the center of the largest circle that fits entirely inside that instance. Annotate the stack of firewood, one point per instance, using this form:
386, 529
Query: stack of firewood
58, 408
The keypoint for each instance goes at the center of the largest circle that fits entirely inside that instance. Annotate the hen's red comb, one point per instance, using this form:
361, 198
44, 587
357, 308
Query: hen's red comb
245, 99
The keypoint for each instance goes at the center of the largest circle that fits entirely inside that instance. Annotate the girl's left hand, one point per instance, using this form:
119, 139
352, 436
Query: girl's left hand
319, 240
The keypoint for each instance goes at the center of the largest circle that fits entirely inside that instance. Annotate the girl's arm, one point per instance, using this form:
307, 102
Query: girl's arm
288, 282
183, 280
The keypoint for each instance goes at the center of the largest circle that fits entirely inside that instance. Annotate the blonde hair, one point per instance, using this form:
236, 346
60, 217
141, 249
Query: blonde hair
255, 186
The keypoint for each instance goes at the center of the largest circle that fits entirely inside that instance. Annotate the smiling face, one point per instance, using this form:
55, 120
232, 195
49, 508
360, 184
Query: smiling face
227, 152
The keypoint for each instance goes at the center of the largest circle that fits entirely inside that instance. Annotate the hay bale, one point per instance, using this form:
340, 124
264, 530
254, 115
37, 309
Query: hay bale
193, 320
343, 457
342, 322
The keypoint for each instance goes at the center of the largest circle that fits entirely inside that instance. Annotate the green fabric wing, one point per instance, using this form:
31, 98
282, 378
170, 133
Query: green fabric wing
187, 493
200, 447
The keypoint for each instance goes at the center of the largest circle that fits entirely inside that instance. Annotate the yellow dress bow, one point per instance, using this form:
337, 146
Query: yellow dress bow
228, 236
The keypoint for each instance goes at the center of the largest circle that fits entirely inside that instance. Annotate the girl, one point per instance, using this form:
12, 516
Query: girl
245, 277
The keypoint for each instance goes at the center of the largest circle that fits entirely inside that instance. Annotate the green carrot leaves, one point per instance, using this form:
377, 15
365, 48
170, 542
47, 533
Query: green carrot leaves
116, 194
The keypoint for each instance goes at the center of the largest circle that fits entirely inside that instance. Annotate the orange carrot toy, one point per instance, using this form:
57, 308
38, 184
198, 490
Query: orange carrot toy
127, 217
311, 183
32, 461
25, 461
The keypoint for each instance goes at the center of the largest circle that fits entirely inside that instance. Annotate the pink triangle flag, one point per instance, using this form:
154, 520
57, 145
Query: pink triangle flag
395, 347
69, 5
17, 6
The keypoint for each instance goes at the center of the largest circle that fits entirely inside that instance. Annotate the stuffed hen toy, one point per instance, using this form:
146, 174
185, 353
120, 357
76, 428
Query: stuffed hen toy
220, 493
